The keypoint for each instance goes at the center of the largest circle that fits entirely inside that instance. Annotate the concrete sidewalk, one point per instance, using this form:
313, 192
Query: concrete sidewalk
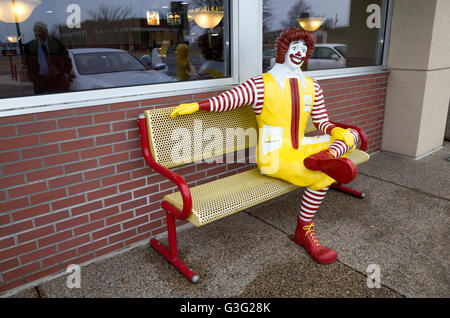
402, 226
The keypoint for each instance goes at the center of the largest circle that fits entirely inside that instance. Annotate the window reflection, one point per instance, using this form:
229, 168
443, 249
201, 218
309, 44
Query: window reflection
70, 45
346, 37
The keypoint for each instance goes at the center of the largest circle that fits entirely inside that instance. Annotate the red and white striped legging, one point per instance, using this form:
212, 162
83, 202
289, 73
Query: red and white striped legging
311, 201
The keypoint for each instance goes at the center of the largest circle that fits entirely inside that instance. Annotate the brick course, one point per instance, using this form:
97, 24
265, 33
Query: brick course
75, 185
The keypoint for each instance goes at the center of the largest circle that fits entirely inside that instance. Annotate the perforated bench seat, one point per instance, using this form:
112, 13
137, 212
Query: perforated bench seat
223, 197
358, 156
220, 198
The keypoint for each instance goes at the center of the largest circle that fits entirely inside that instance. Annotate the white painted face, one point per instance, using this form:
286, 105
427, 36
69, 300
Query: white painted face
296, 54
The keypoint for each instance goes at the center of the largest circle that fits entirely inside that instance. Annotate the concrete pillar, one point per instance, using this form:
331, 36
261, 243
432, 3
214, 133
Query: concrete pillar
419, 86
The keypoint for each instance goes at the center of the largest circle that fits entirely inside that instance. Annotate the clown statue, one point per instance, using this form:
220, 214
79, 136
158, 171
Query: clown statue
282, 100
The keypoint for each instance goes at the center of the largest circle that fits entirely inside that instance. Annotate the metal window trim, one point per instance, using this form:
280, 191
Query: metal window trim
387, 31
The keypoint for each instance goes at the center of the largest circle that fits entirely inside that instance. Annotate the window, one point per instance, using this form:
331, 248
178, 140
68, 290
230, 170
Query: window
60, 46
351, 32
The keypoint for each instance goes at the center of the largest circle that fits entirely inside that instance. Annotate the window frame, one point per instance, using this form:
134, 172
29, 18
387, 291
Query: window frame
246, 61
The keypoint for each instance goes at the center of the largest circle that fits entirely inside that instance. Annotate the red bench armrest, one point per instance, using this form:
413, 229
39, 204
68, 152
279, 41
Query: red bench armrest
179, 181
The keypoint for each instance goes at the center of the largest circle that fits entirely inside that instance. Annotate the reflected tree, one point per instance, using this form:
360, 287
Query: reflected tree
112, 23
267, 15
299, 9
329, 24
207, 3
108, 13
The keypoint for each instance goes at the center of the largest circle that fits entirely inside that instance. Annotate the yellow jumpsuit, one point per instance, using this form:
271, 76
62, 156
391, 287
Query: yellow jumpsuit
282, 145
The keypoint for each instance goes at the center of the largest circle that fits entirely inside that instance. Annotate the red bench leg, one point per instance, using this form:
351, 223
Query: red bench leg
171, 253
348, 190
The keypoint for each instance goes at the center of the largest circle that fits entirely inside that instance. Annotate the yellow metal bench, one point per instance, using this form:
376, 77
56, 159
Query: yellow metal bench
211, 201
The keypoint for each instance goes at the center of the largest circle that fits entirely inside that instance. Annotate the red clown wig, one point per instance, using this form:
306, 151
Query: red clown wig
289, 35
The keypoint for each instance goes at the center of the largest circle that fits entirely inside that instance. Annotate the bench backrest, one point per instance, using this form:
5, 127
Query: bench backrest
189, 138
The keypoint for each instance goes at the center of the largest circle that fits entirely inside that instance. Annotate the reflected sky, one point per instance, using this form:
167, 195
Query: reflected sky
53, 12
322, 8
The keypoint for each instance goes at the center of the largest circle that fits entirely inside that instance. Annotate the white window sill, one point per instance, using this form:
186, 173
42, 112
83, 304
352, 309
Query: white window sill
346, 72
52, 102
38, 104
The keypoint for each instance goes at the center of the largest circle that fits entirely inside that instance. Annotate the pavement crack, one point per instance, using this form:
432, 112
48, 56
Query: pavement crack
364, 275
40, 293
406, 187
265, 222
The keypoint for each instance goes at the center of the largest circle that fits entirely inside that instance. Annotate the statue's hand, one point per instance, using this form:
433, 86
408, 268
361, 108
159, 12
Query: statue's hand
185, 109
344, 135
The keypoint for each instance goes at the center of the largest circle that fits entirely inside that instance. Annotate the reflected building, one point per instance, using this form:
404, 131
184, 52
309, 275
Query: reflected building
131, 34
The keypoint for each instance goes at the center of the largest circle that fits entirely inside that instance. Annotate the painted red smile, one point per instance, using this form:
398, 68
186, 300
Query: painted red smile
296, 59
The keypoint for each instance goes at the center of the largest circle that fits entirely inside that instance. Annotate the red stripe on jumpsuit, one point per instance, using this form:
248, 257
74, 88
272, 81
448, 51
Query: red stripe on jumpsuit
295, 114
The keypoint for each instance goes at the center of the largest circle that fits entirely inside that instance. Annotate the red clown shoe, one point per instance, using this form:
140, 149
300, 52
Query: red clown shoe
342, 170
305, 236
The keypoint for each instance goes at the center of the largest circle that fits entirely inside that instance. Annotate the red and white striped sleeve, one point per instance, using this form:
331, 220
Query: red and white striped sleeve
319, 114
251, 92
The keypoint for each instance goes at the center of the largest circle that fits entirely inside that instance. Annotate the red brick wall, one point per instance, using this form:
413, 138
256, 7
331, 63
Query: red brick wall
74, 185
358, 101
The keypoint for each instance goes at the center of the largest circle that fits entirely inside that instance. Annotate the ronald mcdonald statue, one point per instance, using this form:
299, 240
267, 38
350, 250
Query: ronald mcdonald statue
282, 100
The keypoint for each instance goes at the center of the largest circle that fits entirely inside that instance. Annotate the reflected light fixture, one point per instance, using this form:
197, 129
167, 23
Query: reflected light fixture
207, 18
310, 24
10, 10
12, 39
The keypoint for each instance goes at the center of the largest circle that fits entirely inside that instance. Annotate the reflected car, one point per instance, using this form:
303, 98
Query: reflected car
154, 62
326, 56
105, 68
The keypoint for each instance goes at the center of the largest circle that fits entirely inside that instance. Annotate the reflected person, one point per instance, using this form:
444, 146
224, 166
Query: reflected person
48, 64
211, 46
184, 67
